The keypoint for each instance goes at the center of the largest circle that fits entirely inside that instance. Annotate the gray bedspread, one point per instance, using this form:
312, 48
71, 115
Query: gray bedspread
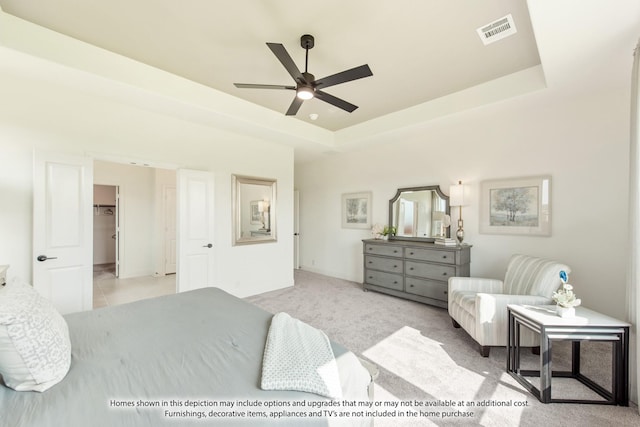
202, 346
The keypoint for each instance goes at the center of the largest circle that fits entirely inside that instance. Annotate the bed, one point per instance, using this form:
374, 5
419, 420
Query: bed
187, 354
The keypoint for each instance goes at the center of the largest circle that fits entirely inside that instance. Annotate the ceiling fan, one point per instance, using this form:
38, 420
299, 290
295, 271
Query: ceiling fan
307, 86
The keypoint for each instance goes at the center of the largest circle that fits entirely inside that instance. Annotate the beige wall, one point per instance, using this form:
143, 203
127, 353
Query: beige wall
582, 142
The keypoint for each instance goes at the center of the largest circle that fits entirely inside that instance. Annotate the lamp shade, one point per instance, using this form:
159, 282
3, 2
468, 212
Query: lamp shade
456, 194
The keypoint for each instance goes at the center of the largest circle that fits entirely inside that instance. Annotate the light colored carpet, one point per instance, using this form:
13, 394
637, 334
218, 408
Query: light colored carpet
422, 358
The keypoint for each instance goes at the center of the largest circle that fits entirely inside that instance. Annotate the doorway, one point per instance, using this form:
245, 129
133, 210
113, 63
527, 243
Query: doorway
134, 232
105, 232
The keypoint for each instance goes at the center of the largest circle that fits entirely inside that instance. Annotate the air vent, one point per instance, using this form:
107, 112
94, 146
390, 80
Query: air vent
497, 30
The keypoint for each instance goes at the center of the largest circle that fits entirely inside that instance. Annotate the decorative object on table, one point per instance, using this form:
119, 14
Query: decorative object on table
388, 231
516, 206
3, 274
356, 210
446, 241
377, 230
456, 198
443, 239
565, 298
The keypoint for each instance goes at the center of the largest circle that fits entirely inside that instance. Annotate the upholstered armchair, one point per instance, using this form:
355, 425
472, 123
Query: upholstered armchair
479, 306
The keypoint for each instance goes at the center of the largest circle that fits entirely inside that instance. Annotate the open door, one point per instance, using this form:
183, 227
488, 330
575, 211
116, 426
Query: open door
195, 191
296, 229
63, 230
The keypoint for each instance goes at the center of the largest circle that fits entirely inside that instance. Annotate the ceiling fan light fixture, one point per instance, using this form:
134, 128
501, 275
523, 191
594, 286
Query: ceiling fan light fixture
305, 92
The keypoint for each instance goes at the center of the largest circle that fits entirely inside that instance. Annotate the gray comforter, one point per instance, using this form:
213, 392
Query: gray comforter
187, 354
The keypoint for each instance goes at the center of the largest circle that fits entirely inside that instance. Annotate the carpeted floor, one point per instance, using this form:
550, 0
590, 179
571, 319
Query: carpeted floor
422, 359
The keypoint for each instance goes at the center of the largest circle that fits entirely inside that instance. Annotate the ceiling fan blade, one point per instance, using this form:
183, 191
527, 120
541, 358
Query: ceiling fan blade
254, 86
343, 77
295, 106
283, 56
340, 103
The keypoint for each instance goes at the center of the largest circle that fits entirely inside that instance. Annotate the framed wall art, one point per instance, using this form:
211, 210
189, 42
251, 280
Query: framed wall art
516, 206
356, 210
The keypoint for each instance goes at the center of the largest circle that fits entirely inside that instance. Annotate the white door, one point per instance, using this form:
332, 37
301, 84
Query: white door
169, 230
296, 229
63, 230
116, 236
195, 267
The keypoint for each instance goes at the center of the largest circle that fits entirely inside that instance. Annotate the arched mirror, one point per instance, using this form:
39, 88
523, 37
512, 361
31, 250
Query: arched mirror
418, 213
254, 210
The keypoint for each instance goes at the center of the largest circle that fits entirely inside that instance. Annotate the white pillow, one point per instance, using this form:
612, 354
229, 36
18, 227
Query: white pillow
35, 351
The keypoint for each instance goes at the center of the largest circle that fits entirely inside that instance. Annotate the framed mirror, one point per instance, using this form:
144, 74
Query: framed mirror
254, 210
418, 213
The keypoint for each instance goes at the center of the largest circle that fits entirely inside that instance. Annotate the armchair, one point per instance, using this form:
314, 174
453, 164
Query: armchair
479, 305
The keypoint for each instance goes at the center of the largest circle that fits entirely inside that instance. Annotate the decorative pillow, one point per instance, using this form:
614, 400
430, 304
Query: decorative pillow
35, 351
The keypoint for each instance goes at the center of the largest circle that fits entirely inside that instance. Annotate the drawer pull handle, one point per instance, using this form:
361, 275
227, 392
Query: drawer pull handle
411, 286
444, 274
395, 251
410, 253
395, 282
445, 292
444, 257
411, 268
395, 266
370, 277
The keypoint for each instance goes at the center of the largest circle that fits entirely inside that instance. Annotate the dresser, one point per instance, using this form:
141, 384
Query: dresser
418, 271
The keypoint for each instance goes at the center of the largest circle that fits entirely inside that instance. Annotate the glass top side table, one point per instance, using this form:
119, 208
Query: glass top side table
587, 325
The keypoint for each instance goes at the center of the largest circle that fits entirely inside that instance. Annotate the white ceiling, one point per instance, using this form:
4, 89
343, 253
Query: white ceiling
418, 50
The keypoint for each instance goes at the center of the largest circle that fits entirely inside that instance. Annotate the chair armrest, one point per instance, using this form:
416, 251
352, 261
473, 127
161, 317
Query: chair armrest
490, 286
491, 315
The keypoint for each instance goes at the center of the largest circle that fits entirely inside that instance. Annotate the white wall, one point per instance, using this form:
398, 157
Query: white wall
582, 142
42, 115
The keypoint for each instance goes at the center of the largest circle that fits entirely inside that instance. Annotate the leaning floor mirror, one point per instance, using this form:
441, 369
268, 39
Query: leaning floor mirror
254, 210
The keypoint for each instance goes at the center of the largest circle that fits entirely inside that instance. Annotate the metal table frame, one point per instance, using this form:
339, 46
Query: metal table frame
586, 326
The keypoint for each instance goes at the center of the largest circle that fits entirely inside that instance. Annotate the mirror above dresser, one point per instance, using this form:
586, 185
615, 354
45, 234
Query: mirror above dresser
418, 213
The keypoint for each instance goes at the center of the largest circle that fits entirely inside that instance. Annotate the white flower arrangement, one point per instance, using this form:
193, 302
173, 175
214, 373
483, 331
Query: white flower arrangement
377, 230
564, 296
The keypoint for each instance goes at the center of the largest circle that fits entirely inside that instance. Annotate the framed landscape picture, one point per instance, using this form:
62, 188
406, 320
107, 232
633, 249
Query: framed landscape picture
516, 206
356, 210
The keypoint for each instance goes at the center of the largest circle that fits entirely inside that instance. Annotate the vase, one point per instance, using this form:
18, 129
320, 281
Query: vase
565, 311
385, 237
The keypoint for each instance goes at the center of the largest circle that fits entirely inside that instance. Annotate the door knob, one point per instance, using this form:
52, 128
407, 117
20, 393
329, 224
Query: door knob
44, 258
208, 246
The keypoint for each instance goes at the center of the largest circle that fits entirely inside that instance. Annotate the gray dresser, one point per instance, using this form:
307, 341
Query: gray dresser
413, 270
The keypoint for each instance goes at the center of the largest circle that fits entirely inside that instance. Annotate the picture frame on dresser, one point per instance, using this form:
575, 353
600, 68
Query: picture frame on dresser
356, 210
516, 206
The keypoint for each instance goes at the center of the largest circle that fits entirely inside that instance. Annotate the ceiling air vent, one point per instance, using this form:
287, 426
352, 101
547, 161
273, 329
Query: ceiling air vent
497, 30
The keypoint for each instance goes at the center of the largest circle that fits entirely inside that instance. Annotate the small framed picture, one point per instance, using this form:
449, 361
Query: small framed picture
516, 206
256, 215
356, 210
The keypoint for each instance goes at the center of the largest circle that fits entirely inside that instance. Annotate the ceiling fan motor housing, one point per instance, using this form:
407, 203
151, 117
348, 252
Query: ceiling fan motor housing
307, 41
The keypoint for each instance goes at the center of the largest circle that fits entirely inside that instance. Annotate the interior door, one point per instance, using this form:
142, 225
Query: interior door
63, 230
195, 219
296, 229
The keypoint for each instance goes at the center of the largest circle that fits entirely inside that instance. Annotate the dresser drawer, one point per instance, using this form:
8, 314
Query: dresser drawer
384, 264
385, 250
427, 288
429, 271
430, 255
388, 280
